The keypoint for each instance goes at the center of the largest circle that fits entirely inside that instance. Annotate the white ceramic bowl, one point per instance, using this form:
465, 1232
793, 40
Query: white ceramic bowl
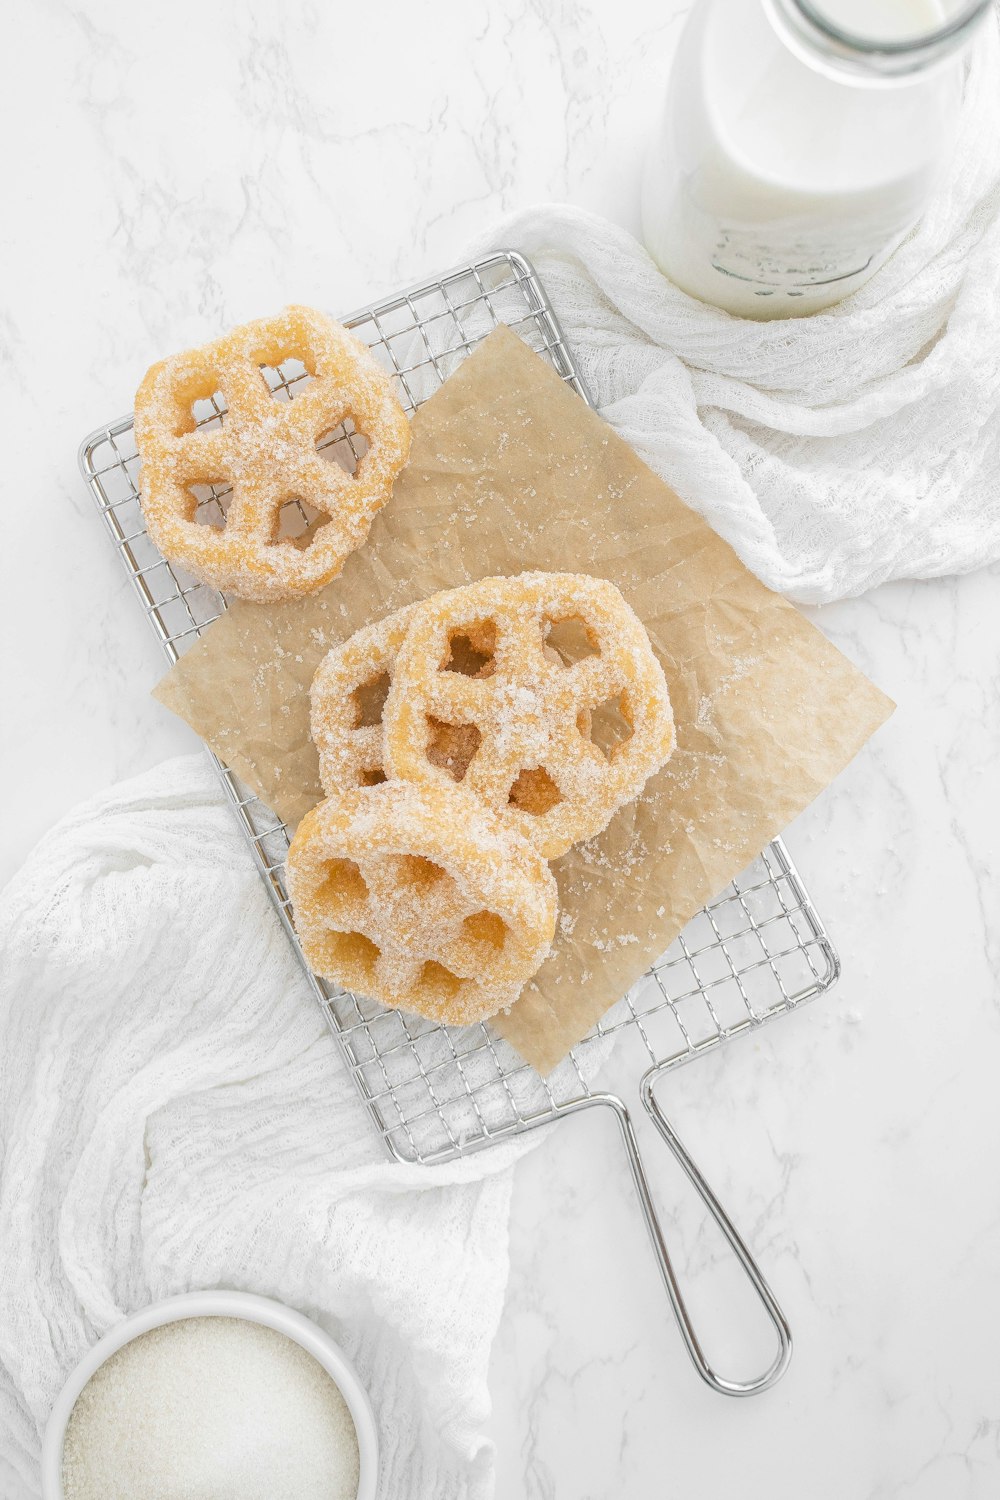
216, 1305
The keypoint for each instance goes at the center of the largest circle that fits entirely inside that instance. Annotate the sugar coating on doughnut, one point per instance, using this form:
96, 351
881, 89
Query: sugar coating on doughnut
564, 737
421, 898
265, 455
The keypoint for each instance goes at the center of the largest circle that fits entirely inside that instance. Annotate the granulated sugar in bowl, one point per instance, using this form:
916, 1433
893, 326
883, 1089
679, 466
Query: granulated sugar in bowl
212, 1396
210, 1407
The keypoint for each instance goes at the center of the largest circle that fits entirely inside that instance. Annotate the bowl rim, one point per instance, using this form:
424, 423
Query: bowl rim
252, 1308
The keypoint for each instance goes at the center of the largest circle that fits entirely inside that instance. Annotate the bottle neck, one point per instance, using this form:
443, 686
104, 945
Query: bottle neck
893, 48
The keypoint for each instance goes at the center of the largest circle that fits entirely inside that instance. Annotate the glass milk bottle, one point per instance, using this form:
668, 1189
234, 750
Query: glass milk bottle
800, 143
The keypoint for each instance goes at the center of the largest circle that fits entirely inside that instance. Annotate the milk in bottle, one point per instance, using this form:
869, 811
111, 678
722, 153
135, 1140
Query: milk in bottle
800, 143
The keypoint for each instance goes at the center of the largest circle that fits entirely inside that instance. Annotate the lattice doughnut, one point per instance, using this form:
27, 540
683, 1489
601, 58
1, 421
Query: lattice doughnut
537, 761
421, 898
265, 451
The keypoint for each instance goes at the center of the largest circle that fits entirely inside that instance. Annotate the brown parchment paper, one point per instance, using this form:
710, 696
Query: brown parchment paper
510, 470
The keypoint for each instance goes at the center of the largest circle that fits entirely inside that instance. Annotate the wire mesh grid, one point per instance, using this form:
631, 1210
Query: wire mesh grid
434, 1092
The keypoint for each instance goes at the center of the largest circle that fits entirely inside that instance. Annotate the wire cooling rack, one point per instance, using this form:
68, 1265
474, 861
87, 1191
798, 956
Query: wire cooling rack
755, 952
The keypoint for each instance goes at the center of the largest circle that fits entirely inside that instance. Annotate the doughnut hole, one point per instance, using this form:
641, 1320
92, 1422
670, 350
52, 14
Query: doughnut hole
472, 650
285, 373
208, 412
437, 980
487, 928
343, 889
297, 523
209, 505
451, 747
533, 791
344, 445
608, 725
369, 701
571, 639
198, 404
349, 954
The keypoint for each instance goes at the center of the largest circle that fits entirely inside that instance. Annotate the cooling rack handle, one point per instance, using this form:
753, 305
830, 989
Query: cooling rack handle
777, 1319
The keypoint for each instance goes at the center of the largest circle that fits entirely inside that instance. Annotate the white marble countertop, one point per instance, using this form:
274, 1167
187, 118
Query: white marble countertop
192, 166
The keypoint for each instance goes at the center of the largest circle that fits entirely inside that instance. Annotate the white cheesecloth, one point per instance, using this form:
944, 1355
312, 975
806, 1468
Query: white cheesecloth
833, 452
175, 1115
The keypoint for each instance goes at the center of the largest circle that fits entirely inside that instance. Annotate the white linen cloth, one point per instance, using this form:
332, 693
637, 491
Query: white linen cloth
175, 1115
833, 452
